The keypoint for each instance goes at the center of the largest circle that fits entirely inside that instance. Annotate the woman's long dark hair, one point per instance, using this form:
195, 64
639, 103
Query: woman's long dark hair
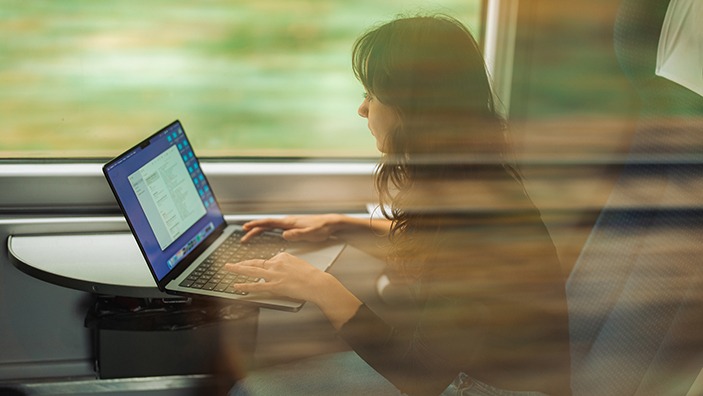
430, 70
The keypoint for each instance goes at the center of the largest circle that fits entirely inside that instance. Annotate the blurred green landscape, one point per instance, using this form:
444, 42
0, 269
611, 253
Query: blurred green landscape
83, 78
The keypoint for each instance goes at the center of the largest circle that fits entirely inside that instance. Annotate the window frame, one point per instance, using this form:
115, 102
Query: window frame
499, 29
241, 186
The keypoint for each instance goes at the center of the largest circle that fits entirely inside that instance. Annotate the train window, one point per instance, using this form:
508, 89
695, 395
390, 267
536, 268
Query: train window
271, 78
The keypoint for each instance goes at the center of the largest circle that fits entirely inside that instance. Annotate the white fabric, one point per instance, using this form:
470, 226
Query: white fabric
680, 52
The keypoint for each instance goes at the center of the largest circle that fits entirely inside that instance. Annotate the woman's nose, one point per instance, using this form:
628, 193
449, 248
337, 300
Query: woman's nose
364, 109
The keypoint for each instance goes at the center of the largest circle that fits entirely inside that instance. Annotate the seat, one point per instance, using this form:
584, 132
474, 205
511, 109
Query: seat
635, 294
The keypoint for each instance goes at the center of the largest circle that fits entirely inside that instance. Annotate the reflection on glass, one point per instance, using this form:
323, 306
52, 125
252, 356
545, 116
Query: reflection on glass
85, 78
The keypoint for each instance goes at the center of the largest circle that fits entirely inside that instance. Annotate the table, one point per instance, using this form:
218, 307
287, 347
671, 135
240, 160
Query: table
101, 263
170, 339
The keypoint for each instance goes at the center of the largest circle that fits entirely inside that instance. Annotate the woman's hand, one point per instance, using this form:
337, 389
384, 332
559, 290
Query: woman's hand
289, 276
311, 228
284, 275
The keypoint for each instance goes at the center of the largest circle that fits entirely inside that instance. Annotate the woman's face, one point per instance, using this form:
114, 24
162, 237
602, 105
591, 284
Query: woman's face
382, 119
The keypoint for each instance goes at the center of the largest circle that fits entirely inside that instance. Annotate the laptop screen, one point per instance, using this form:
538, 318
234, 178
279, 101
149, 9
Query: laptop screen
165, 197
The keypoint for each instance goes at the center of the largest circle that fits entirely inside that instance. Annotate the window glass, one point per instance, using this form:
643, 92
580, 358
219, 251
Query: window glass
84, 78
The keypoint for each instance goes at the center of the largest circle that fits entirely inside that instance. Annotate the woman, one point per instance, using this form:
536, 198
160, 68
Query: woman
482, 305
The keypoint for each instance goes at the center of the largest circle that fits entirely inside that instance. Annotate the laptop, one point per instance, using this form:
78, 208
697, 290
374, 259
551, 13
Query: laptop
172, 212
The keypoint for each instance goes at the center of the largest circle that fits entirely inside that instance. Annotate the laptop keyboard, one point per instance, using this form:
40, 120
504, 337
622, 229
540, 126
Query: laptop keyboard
211, 275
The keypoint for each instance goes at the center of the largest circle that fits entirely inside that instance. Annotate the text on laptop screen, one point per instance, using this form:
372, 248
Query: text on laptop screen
166, 197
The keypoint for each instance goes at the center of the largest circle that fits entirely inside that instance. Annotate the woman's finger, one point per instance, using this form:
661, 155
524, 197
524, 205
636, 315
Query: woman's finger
308, 234
293, 235
248, 270
252, 233
252, 263
264, 223
253, 287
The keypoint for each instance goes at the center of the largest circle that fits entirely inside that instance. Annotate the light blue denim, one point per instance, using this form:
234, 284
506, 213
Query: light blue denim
337, 374
342, 374
463, 385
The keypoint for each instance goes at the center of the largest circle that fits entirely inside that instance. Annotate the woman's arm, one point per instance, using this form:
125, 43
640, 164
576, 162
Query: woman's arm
335, 301
315, 228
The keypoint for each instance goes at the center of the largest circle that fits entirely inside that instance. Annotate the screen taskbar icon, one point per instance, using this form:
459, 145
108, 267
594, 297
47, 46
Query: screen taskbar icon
190, 245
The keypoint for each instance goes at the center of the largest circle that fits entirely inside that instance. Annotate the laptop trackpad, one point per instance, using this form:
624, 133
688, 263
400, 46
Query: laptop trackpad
320, 254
